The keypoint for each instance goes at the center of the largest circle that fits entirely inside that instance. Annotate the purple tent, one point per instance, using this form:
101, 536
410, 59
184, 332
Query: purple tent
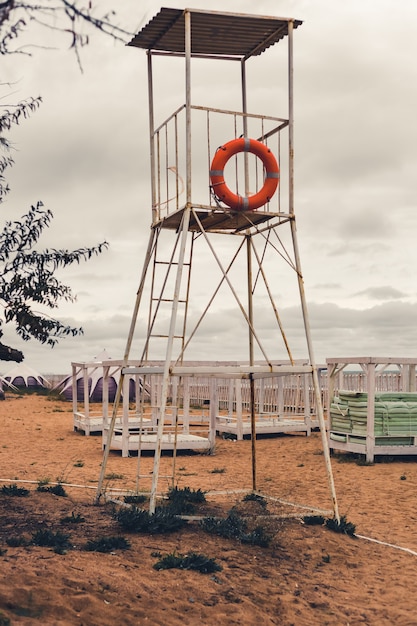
95, 381
25, 377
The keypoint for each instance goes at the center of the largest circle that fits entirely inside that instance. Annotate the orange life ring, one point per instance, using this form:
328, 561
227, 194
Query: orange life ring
234, 200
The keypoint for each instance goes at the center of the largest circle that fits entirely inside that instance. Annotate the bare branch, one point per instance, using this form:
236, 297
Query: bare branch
61, 16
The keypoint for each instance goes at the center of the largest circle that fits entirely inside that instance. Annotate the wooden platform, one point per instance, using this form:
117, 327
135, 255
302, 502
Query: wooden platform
96, 423
221, 220
370, 420
265, 425
169, 442
390, 446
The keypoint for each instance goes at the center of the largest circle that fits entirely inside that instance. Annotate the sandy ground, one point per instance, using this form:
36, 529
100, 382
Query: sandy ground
307, 575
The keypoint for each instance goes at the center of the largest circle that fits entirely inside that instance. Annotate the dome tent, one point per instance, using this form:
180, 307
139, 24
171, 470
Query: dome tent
24, 377
4, 383
95, 380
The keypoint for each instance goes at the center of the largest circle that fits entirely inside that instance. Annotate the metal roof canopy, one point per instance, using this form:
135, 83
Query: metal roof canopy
213, 34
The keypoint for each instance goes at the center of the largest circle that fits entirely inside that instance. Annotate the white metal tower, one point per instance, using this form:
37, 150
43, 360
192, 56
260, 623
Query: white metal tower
218, 174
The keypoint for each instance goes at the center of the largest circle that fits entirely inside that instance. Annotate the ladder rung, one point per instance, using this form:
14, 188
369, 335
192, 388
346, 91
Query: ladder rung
168, 300
171, 263
166, 336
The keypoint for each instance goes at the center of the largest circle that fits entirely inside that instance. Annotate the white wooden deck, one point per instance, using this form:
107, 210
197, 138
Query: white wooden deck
128, 443
95, 423
369, 442
384, 446
264, 425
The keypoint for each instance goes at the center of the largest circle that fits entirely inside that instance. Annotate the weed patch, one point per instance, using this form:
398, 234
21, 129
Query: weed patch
343, 526
16, 541
234, 527
231, 527
139, 521
57, 490
114, 476
183, 501
107, 544
255, 497
192, 561
257, 537
73, 519
135, 499
47, 538
313, 520
15, 491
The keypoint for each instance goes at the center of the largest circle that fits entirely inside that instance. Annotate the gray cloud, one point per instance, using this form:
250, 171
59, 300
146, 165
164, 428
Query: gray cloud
86, 155
382, 293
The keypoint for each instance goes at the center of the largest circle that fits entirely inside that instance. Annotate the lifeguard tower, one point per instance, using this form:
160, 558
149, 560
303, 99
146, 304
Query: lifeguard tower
219, 177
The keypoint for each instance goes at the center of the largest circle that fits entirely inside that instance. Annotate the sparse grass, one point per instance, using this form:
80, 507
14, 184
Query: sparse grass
114, 476
231, 527
255, 497
42, 482
28, 391
351, 457
16, 541
138, 520
47, 538
14, 490
191, 561
133, 519
313, 520
57, 490
135, 499
342, 526
257, 537
55, 396
79, 463
183, 501
235, 527
218, 470
107, 544
73, 519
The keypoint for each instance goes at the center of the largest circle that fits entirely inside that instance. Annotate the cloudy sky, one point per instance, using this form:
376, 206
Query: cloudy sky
85, 155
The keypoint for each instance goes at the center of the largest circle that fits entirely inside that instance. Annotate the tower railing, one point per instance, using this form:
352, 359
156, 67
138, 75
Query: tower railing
212, 128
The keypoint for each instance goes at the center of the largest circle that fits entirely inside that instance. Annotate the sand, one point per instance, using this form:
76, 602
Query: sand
307, 575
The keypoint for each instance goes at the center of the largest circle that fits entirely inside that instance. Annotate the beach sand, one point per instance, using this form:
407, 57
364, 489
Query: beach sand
307, 575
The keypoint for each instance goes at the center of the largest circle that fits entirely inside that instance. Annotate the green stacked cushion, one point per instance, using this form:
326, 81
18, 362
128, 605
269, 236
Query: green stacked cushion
394, 413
